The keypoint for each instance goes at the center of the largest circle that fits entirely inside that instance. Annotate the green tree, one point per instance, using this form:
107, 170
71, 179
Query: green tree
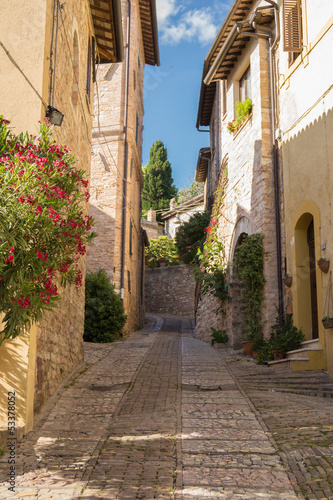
191, 236
158, 187
191, 191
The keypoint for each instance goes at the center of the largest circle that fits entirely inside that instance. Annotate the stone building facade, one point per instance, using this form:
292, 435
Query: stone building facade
178, 214
240, 166
116, 173
153, 228
276, 170
47, 58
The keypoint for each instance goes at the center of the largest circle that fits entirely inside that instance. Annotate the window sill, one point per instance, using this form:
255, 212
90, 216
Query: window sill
237, 132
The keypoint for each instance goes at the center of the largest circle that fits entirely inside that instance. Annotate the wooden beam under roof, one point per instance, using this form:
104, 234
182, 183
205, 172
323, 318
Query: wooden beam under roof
108, 12
238, 13
148, 19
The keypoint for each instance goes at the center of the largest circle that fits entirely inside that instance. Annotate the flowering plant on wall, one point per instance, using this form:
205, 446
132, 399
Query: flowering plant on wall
211, 271
243, 110
43, 230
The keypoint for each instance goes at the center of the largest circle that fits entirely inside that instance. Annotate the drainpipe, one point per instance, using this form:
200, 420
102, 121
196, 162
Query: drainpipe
123, 223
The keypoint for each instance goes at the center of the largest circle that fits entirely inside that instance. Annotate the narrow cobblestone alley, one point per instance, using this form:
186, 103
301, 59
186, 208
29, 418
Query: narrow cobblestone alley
163, 415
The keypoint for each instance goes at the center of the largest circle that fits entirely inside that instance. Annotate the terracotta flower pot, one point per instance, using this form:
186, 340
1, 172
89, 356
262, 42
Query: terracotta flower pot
324, 265
287, 280
247, 347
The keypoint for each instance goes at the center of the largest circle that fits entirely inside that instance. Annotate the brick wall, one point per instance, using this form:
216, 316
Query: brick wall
170, 290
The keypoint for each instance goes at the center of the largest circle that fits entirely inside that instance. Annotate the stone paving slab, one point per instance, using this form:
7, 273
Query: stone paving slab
235, 460
191, 493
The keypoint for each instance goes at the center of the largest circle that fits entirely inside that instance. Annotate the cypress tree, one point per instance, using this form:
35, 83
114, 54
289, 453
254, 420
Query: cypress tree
158, 187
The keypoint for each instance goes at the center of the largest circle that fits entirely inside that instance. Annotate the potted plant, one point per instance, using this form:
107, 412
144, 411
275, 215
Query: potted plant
219, 337
324, 265
288, 280
327, 322
286, 336
243, 111
247, 343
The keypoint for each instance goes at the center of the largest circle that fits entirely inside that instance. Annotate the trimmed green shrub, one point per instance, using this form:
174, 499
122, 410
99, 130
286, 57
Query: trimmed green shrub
164, 248
104, 312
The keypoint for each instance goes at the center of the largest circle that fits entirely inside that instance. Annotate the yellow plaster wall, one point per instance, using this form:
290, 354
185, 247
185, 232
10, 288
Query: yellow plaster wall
306, 123
23, 33
17, 374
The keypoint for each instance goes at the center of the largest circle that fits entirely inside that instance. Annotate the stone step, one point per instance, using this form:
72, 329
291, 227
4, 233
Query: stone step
301, 360
310, 344
301, 353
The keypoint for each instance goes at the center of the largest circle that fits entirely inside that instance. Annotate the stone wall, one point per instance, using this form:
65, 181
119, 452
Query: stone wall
170, 290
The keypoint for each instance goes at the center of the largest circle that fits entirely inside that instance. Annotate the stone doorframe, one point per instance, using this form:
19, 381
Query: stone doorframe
243, 226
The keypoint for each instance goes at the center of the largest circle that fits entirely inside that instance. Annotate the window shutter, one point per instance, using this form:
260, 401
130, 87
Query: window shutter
93, 53
88, 82
137, 129
292, 26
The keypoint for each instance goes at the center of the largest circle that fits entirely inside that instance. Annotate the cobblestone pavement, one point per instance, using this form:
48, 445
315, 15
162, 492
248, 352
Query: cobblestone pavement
298, 411
162, 415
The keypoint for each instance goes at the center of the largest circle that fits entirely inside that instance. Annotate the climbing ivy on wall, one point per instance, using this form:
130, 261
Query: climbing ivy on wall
212, 270
248, 267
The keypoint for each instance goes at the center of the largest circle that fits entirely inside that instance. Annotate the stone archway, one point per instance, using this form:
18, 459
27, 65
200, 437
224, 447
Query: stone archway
306, 282
243, 228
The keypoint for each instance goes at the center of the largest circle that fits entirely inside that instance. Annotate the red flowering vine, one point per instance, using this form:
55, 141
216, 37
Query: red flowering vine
43, 228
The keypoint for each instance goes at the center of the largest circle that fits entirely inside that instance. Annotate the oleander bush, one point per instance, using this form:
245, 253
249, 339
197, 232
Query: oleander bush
43, 229
104, 312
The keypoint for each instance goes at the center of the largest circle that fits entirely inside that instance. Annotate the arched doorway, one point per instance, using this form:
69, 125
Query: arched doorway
306, 280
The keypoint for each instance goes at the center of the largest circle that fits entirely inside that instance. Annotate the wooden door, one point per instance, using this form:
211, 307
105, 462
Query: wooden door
313, 281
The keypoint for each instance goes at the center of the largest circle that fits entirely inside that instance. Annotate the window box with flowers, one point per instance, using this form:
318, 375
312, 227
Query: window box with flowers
243, 113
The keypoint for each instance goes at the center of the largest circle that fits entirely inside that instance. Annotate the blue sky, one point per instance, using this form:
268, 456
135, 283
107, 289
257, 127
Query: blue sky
187, 29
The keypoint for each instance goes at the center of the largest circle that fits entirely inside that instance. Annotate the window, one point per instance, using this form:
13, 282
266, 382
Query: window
137, 129
224, 98
129, 280
245, 85
93, 57
75, 86
134, 79
131, 169
139, 62
213, 136
292, 29
130, 238
88, 81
